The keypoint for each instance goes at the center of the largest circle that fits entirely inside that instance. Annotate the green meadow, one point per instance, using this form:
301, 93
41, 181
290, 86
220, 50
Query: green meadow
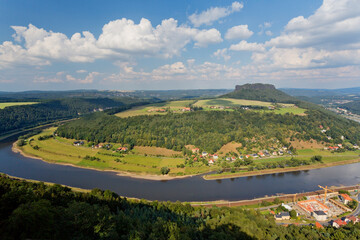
10, 104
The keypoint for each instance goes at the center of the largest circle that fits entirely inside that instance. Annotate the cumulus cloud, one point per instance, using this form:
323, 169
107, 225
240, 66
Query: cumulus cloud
213, 14
246, 46
222, 53
263, 28
334, 25
239, 32
88, 79
120, 39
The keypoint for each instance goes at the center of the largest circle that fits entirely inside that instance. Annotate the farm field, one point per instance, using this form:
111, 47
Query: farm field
60, 150
10, 104
156, 109
216, 104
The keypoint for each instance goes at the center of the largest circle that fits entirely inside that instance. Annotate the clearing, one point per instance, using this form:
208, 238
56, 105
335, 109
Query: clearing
10, 104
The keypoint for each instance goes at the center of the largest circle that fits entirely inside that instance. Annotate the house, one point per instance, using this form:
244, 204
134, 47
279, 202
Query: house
345, 198
356, 146
186, 109
352, 219
241, 157
255, 155
216, 157
318, 225
195, 159
281, 153
211, 161
282, 216
78, 143
319, 215
261, 154
195, 150
122, 149
247, 156
228, 159
338, 223
204, 154
274, 153
233, 158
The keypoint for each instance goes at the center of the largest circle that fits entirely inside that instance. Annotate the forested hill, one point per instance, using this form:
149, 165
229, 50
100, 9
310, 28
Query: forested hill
353, 107
210, 130
18, 117
38, 211
260, 92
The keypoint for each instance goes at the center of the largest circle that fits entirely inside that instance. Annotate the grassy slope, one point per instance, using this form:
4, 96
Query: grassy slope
10, 104
61, 150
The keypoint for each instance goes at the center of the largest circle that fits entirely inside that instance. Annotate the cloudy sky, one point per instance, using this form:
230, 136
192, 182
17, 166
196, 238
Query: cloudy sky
154, 44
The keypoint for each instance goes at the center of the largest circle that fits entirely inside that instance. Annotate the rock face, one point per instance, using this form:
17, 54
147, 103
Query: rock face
255, 86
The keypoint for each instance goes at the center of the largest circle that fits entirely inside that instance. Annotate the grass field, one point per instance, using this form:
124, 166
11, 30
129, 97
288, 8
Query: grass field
174, 106
60, 150
10, 104
229, 102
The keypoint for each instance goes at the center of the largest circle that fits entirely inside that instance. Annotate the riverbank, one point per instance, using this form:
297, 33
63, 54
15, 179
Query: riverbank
280, 197
16, 149
279, 170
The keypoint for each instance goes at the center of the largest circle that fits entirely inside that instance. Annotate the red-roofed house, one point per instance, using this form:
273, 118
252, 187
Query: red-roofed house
318, 225
195, 150
352, 219
338, 223
345, 198
211, 161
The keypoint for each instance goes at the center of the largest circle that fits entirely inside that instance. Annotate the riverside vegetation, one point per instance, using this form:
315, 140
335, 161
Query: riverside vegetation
31, 210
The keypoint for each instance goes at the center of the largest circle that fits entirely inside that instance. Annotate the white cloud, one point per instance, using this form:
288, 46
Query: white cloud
81, 71
222, 53
263, 28
213, 14
335, 25
206, 37
246, 46
88, 79
239, 32
120, 39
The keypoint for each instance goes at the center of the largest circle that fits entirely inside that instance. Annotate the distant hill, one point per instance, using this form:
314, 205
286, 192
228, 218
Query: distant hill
260, 92
321, 92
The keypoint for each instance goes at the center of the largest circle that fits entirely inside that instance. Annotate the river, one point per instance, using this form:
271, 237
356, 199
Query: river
186, 189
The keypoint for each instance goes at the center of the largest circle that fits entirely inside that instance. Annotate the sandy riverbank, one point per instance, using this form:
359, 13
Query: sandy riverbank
144, 176
280, 170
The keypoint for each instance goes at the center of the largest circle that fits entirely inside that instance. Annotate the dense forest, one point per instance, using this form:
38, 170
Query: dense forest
38, 211
209, 130
260, 92
18, 117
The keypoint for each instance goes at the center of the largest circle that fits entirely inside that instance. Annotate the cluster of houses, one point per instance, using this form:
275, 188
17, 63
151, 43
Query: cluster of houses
122, 149
157, 110
340, 222
262, 154
333, 148
102, 145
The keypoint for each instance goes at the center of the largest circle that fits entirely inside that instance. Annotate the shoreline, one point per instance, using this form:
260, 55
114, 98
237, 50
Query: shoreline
281, 170
143, 176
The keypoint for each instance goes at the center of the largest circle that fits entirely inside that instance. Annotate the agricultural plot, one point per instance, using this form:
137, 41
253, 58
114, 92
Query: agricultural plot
10, 104
157, 109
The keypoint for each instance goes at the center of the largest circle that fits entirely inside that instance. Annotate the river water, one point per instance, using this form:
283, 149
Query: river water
187, 189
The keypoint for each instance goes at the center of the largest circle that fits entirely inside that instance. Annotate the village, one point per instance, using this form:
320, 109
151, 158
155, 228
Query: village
333, 208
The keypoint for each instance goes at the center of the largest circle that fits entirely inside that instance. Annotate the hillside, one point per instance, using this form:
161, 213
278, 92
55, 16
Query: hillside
39, 211
353, 107
260, 92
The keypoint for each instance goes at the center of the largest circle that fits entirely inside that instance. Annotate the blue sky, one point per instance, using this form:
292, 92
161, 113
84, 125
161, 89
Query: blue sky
128, 45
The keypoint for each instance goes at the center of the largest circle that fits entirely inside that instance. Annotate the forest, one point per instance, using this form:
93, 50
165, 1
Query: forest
19, 117
210, 130
31, 210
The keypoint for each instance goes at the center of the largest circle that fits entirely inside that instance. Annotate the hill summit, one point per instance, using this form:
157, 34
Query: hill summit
260, 92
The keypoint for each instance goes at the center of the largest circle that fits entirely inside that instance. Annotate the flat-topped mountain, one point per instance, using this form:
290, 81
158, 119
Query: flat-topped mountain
260, 92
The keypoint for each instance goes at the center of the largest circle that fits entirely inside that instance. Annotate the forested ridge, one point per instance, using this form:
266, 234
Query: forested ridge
38, 211
209, 130
18, 117
353, 106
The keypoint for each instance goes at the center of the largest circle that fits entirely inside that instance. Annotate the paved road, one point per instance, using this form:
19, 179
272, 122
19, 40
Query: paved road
357, 210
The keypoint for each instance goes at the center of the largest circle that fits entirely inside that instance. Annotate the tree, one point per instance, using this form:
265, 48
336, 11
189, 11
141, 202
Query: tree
293, 214
165, 170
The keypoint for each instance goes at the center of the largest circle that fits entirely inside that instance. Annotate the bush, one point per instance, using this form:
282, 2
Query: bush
21, 142
316, 158
165, 170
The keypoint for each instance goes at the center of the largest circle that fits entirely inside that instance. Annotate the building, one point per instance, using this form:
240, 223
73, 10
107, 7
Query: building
195, 150
345, 198
319, 215
204, 154
216, 157
338, 223
211, 161
282, 216
352, 219
318, 225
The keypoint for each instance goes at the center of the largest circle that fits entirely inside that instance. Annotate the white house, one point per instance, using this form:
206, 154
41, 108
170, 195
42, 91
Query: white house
319, 215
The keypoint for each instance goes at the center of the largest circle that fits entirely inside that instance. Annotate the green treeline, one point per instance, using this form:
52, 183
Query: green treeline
209, 130
18, 117
38, 211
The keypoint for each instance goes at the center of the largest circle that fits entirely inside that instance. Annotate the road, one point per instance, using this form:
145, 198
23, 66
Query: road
357, 210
